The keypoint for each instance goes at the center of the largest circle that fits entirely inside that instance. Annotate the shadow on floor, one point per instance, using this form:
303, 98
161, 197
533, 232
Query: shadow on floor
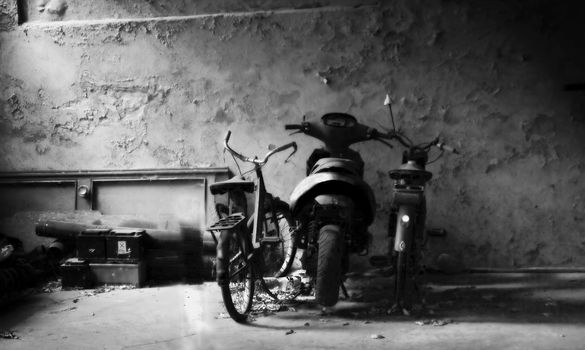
470, 297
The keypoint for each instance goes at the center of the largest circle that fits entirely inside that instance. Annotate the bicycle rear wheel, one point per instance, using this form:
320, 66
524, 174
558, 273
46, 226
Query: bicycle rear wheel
237, 289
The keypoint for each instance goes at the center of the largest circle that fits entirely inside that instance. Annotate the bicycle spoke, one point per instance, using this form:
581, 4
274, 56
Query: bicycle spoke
235, 257
238, 271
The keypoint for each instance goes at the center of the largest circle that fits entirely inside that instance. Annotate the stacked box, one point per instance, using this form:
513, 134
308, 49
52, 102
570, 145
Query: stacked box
76, 273
124, 246
91, 245
118, 273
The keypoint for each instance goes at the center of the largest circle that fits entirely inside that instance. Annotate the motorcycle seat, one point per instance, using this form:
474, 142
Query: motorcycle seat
235, 183
336, 165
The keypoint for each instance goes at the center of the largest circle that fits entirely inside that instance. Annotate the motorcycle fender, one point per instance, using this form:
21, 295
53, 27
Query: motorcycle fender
404, 228
309, 188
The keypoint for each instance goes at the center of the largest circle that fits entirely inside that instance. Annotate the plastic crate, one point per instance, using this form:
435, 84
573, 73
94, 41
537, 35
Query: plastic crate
125, 246
91, 245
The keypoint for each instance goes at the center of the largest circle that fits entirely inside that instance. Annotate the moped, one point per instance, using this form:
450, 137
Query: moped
333, 206
407, 229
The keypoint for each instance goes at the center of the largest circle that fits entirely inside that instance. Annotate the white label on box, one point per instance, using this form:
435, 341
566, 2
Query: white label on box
122, 248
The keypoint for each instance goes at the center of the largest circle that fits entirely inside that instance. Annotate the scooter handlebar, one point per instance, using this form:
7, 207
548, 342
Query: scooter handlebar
293, 127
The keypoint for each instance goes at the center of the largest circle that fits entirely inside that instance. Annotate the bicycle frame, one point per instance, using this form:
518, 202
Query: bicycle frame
260, 196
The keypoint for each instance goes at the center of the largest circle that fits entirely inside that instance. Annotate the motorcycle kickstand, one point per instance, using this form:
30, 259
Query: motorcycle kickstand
398, 306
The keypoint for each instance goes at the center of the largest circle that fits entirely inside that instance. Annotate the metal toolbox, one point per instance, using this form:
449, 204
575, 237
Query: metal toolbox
112, 273
125, 245
91, 245
76, 273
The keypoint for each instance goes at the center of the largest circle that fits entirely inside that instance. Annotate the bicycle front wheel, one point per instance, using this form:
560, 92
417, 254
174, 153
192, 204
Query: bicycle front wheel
238, 289
279, 252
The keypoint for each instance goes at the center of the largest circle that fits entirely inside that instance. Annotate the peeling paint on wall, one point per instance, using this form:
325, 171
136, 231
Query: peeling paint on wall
118, 93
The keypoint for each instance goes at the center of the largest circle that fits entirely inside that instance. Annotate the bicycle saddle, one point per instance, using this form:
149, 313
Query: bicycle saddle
235, 183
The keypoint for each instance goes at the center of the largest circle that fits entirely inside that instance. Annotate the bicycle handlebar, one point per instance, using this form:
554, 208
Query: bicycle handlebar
255, 160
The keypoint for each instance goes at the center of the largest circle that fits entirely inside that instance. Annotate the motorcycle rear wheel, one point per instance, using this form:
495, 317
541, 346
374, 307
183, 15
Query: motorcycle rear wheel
328, 279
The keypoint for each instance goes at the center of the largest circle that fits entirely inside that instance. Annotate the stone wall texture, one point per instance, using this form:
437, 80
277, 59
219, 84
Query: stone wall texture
148, 84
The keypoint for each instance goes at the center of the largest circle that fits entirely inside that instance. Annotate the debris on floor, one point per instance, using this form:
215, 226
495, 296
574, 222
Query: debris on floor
434, 322
377, 336
51, 287
107, 288
285, 289
222, 315
8, 335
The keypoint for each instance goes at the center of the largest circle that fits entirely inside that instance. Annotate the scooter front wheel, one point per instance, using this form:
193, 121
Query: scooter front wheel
405, 285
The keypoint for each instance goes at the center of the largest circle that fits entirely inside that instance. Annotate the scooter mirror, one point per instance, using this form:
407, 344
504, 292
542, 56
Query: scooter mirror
271, 147
387, 100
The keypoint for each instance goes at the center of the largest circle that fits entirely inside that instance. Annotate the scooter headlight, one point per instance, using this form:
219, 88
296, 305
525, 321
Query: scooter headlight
405, 219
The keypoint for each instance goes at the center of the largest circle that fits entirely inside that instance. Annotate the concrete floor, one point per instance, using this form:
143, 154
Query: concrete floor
471, 311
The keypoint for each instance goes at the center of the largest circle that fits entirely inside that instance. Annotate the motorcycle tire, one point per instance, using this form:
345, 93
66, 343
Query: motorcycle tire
330, 253
238, 291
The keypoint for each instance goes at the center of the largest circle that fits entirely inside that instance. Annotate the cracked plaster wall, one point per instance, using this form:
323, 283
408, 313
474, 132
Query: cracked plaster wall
488, 77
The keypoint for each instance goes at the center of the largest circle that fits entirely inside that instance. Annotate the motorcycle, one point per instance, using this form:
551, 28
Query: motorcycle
333, 206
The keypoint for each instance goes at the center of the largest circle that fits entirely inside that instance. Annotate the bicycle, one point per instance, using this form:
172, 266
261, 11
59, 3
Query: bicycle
250, 247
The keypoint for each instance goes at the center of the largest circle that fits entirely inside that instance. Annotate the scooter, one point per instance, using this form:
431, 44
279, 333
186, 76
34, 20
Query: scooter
333, 206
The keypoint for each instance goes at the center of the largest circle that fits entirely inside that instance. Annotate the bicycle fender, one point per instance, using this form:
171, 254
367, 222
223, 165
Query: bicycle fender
221, 259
